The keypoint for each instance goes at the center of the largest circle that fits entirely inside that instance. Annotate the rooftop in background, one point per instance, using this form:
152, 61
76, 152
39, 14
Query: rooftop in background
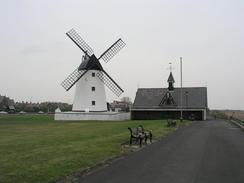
150, 98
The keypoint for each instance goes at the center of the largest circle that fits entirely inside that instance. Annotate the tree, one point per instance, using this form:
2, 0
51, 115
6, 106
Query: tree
126, 99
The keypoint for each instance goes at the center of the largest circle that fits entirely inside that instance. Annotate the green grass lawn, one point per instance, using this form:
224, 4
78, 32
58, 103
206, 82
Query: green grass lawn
35, 148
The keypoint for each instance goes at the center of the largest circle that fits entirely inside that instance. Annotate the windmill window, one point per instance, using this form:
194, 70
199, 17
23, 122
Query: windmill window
93, 88
93, 102
93, 74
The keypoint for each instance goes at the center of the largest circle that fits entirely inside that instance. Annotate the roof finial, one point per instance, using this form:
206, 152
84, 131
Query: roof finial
170, 66
171, 78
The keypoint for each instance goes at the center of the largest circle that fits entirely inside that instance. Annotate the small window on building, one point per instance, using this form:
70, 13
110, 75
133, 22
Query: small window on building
93, 102
93, 88
93, 74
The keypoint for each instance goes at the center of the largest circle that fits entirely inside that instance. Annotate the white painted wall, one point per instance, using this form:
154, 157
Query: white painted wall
101, 116
84, 94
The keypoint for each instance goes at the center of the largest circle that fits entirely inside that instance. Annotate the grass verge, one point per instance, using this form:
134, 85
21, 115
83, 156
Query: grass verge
35, 148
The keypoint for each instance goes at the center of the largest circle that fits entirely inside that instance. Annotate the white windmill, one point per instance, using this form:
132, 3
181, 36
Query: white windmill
90, 77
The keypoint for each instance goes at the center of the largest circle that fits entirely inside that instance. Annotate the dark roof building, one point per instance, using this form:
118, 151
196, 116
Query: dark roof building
1, 98
158, 103
123, 106
6, 104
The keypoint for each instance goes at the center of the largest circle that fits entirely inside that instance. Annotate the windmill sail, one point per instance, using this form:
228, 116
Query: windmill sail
110, 83
112, 50
73, 78
92, 63
75, 37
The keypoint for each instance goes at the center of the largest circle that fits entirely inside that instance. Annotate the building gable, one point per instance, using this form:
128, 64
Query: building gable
167, 100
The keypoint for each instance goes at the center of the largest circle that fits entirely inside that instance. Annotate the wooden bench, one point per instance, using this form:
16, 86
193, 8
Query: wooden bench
148, 133
171, 123
139, 134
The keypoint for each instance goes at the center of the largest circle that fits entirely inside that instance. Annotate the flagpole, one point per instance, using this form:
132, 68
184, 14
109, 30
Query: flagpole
181, 104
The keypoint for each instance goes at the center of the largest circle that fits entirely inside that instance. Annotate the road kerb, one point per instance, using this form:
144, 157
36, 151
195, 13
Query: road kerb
239, 125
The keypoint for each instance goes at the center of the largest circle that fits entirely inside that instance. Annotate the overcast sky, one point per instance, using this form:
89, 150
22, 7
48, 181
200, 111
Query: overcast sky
36, 55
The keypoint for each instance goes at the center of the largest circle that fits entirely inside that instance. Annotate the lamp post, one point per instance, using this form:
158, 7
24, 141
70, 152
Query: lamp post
181, 111
186, 94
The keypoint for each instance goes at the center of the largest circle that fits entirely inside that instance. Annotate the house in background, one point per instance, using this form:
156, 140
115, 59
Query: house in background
120, 106
7, 104
165, 103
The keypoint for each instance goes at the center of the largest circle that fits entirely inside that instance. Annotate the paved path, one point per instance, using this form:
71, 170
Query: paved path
205, 152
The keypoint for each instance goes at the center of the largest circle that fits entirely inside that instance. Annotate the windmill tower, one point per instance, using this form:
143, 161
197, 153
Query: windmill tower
90, 77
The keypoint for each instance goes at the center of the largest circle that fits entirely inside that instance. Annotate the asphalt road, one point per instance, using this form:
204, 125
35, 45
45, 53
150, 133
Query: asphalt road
205, 152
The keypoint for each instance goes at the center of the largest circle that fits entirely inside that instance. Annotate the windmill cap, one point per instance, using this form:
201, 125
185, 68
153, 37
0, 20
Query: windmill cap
90, 63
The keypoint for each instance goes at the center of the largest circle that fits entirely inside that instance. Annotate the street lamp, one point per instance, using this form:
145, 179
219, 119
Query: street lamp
186, 94
181, 111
